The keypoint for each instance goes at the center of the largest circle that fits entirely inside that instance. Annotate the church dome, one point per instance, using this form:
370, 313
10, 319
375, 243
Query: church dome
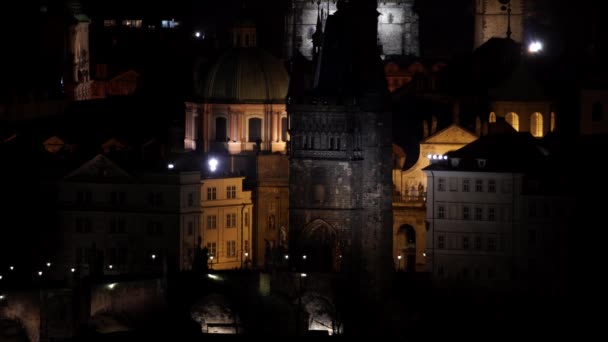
246, 75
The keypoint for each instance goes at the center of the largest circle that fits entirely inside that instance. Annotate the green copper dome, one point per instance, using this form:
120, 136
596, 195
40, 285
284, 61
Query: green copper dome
246, 75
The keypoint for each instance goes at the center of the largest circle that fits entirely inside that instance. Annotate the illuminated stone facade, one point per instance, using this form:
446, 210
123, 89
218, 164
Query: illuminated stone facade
397, 26
491, 20
78, 80
226, 222
340, 208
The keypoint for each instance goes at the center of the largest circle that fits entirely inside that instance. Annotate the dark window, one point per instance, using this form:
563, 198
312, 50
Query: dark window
284, 129
190, 228
465, 242
220, 129
597, 112
441, 242
255, 129
190, 199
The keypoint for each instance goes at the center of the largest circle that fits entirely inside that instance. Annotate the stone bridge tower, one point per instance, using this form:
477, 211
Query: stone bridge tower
340, 156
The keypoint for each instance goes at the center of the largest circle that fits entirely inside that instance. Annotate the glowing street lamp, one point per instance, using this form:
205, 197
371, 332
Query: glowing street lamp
72, 270
48, 264
170, 166
111, 266
213, 164
12, 268
399, 258
286, 256
304, 256
535, 47
197, 34
153, 256
40, 273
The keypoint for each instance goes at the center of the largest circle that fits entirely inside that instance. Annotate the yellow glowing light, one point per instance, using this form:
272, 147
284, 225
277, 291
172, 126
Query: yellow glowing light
303, 275
111, 286
213, 276
399, 257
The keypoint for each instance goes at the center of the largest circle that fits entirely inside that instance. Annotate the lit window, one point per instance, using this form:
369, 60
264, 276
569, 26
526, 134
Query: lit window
552, 122
255, 129
513, 120
536, 125
492, 118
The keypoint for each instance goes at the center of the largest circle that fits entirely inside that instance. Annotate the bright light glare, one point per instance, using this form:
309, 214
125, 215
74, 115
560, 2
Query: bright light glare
535, 47
1, 297
153, 256
213, 276
303, 275
197, 34
48, 264
399, 257
213, 164
170, 166
304, 256
286, 256
12, 268
72, 270
111, 286
40, 273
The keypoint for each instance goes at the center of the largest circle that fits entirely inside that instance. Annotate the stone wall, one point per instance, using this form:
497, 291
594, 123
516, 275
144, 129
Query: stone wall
127, 297
23, 307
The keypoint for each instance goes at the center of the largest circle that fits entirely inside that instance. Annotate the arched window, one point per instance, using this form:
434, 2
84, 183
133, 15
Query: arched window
220, 129
536, 124
284, 129
255, 129
552, 121
492, 118
513, 120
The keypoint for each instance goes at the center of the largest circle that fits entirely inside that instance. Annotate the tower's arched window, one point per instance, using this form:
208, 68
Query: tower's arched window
492, 117
513, 120
255, 129
552, 121
536, 124
220, 129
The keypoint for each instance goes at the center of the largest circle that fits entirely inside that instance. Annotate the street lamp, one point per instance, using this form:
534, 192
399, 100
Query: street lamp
211, 262
399, 266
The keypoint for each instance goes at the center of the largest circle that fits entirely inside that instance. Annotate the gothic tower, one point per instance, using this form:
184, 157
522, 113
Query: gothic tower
340, 156
494, 18
397, 26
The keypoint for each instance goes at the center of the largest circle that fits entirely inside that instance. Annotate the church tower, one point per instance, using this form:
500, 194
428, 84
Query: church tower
397, 26
499, 18
340, 156
78, 82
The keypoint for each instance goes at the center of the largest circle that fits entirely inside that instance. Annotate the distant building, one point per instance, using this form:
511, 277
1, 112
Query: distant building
397, 26
410, 194
116, 222
494, 17
522, 103
227, 222
495, 212
241, 100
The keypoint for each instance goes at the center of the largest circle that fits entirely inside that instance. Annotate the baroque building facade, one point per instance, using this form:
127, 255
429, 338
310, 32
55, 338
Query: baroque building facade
397, 26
